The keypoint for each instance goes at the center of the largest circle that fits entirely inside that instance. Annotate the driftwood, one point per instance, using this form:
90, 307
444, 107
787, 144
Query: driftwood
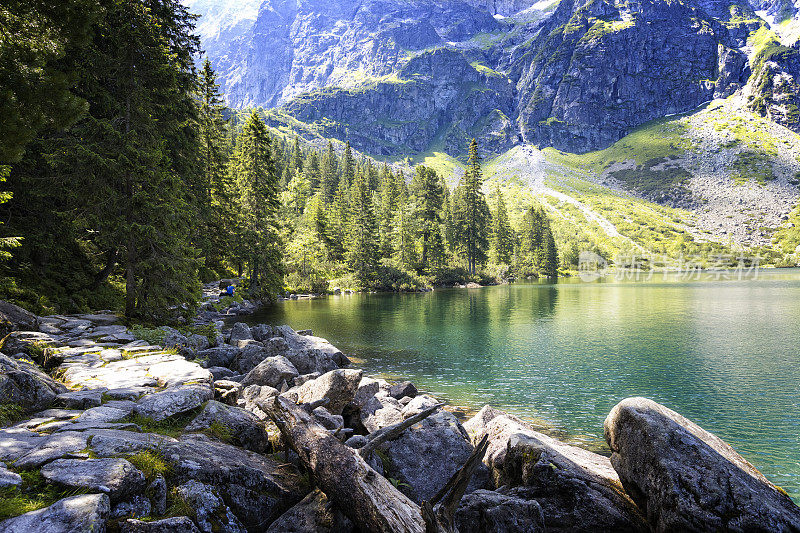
366, 497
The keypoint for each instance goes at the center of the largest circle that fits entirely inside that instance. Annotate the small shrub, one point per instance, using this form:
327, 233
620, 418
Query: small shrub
149, 335
35, 492
9, 412
219, 431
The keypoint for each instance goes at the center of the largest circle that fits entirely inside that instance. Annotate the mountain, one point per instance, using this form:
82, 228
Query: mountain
415, 80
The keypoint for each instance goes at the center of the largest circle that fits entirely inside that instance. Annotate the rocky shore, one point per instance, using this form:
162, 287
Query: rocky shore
264, 428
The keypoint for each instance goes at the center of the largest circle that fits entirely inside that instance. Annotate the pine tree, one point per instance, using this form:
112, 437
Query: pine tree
471, 213
254, 170
502, 236
312, 171
362, 242
215, 198
427, 200
348, 167
389, 196
550, 266
330, 175
405, 237
297, 156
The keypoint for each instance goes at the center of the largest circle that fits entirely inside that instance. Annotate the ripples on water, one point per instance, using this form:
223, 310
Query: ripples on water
722, 353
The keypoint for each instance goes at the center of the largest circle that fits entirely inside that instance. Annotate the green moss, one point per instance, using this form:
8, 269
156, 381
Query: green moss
152, 463
149, 335
35, 492
9, 412
171, 427
219, 431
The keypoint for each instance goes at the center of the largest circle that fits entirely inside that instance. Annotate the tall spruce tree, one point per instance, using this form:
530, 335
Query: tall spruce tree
362, 241
348, 167
330, 175
471, 213
427, 199
502, 237
254, 171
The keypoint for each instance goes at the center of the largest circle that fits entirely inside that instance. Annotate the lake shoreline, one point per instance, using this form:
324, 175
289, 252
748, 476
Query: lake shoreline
223, 393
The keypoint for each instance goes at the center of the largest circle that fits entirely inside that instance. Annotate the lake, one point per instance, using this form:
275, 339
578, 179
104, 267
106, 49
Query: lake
723, 353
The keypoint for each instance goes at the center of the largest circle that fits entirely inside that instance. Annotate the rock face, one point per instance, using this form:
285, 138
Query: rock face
578, 490
578, 76
775, 91
687, 479
77, 514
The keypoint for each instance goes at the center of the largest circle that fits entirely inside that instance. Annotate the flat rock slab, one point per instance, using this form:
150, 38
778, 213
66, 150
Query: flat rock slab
112, 411
83, 399
77, 514
111, 442
56, 446
164, 404
178, 524
688, 479
114, 476
16, 442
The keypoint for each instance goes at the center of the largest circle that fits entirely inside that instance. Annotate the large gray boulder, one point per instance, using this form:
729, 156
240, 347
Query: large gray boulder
217, 356
577, 489
272, 371
82, 399
254, 353
314, 514
252, 395
245, 429
485, 511
687, 479
257, 488
23, 342
17, 441
426, 455
338, 386
379, 411
15, 318
23, 384
210, 512
174, 400
77, 514
312, 354
114, 476
240, 332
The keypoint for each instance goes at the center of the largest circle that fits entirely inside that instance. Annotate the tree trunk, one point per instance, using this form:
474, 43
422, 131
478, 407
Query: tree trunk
100, 277
367, 498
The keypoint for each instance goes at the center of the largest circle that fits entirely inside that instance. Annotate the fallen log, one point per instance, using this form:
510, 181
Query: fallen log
366, 497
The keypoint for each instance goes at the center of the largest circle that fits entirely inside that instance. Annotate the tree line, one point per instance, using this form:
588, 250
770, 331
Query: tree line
130, 182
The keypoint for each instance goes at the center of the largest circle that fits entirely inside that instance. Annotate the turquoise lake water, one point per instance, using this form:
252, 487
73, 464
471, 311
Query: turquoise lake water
723, 353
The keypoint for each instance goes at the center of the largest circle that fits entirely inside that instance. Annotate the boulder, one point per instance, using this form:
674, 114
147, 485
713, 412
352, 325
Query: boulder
15, 318
254, 353
418, 404
257, 488
272, 371
577, 489
245, 429
240, 332
220, 372
314, 514
114, 442
23, 384
401, 390
83, 399
329, 421
20, 342
157, 492
114, 476
139, 506
485, 511
687, 479
77, 514
217, 356
210, 512
227, 391
426, 455
252, 394
299, 380
312, 354
176, 524
262, 332
174, 400
339, 386
380, 411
